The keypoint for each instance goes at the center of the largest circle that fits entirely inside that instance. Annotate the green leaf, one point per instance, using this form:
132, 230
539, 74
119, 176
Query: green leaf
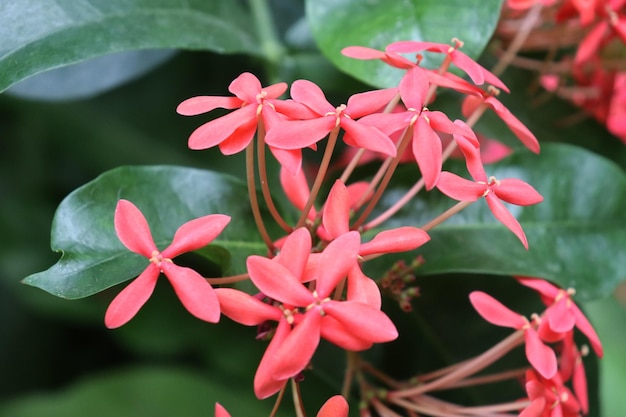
155, 392
38, 35
94, 259
577, 235
375, 24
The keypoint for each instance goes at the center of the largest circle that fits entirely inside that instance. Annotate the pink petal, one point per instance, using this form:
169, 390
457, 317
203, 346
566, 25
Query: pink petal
309, 94
240, 138
540, 356
202, 104
245, 309
335, 406
561, 318
295, 252
246, 87
400, 239
301, 133
128, 302
196, 234
336, 215
337, 334
193, 291
515, 191
506, 218
495, 312
220, 411
579, 383
265, 384
296, 351
459, 188
473, 158
370, 138
404, 47
275, 90
413, 89
336, 260
517, 127
476, 72
543, 287
289, 159
388, 123
216, 131
277, 282
535, 408
362, 321
362, 52
584, 326
356, 192
369, 102
589, 46
296, 189
132, 229
362, 288
427, 152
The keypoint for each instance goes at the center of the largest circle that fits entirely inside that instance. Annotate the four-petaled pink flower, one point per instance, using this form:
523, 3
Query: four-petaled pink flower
192, 289
511, 190
540, 356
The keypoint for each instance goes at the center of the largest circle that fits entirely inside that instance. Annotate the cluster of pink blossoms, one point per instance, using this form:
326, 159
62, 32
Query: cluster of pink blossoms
311, 285
593, 76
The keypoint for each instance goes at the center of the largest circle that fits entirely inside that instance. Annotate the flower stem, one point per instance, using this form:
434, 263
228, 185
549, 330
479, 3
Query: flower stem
297, 399
279, 400
228, 280
321, 175
446, 215
254, 202
470, 367
267, 195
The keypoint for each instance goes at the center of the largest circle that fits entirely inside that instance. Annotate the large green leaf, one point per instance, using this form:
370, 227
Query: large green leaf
38, 35
375, 24
94, 259
577, 235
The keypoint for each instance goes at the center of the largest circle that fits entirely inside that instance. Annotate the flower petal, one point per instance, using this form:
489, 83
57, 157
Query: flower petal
362, 52
369, 102
196, 234
517, 127
587, 329
335, 261
309, 94
427, 151
245, 309
506, 218
297, 190
295, 251
203, 104
193, 291
459, 188
218, 130
296, 351
336, 215
265, 384
400, 239
414, 88
540, 356
335, 406
515, 191
495, 312
362, 288
560, 318
246, 86
362, 321
220, 411
132, 229
277, 282
299, 134
337, 334
368, 137
128, 302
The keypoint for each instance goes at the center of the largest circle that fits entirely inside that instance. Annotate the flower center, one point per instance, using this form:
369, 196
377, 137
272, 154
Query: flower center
156, 258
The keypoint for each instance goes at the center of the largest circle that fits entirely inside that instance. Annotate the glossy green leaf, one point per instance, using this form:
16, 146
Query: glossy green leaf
375, 24
38, 35
94, 259
577, 235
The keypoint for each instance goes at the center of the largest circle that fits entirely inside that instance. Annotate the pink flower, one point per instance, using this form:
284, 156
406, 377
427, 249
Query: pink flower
540, 356
562, 313
495, 191
549, 397
193, 290
299, 134
335, 406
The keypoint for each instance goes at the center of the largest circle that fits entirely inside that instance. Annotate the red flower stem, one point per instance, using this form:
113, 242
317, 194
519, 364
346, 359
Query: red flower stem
254, 202
297, 399
321, 175
446, 215
518, 41
404, 142
397, 206
470, 367
267, 195
357, 157
353, 365
279, 400
440, 372
228, 280
422, 409
382, 409
487, 410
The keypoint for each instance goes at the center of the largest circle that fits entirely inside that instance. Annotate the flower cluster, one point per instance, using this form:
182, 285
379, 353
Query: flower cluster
589, 70
310, 285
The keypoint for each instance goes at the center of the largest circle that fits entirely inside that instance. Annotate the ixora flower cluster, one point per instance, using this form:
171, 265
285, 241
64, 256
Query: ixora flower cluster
587, 67
311, 285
